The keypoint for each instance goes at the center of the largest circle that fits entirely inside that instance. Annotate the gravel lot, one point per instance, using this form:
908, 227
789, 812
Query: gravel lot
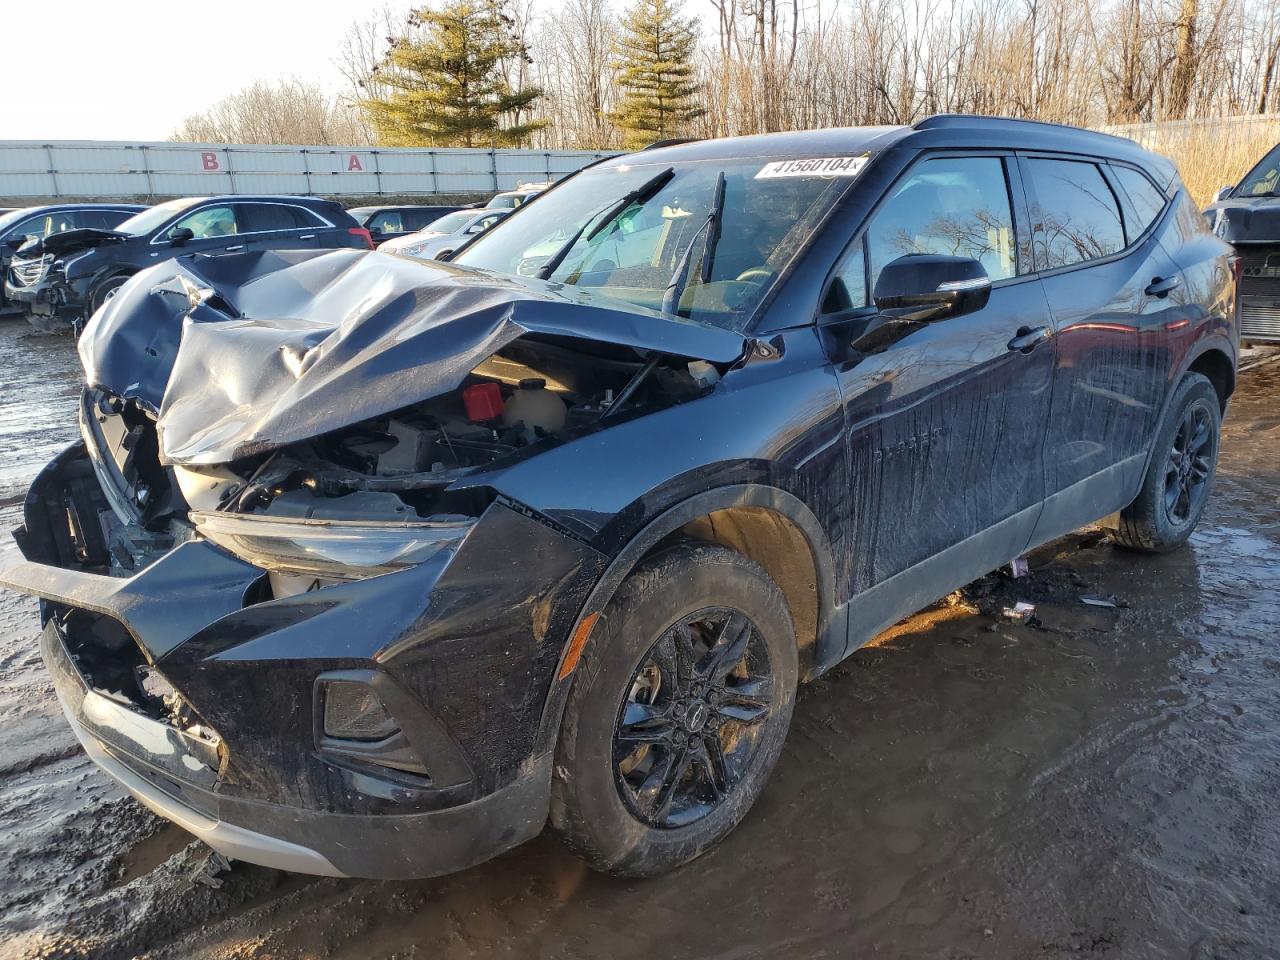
1104, 784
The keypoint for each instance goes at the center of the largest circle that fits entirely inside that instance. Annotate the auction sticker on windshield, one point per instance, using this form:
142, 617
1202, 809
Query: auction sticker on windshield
813, 167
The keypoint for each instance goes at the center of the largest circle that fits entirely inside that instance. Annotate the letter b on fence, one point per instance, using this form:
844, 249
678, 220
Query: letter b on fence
209, 160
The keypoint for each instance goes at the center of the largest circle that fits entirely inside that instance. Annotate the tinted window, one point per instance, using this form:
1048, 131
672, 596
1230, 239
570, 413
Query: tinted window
1147, 200
388, 221
103, 219
957, 206
1075, 216
257, 217
417, 219
849, 286
209, 222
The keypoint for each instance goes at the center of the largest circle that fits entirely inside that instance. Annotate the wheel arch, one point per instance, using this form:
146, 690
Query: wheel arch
770, 526
1215, 363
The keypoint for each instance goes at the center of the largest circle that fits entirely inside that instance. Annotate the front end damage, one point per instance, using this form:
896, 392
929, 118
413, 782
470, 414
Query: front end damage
285, 601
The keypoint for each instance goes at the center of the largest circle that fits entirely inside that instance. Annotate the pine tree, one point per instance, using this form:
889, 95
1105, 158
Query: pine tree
655, 70
446, 81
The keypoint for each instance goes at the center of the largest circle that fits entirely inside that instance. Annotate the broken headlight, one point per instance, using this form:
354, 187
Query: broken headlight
329, 549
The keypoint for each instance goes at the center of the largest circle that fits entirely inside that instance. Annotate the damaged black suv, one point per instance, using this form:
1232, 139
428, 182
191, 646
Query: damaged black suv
368, 566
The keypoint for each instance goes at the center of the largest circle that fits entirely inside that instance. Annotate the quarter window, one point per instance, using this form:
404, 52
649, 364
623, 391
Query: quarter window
388, 221
1075, 217
1146, 199
848, 289
957, 206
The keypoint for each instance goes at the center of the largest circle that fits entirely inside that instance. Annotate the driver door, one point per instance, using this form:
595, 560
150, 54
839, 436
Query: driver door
945, 425
215, 229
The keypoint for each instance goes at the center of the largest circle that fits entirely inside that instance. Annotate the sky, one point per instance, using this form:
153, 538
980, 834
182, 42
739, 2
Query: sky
134, 69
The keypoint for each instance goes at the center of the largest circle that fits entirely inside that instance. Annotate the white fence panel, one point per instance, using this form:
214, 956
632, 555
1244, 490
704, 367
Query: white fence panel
91, 169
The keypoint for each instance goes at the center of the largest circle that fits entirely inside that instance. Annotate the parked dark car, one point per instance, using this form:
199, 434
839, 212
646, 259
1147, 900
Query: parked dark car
1247, 216
32, 223
371, 566
385, 223
64, 278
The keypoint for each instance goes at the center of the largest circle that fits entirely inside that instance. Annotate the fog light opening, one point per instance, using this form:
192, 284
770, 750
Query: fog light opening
352, 711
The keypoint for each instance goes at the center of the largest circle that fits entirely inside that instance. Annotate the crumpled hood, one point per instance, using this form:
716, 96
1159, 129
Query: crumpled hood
1246, 219
80, 239
242, 354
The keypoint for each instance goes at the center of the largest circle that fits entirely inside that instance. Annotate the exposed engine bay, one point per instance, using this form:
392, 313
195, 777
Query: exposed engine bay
397, 467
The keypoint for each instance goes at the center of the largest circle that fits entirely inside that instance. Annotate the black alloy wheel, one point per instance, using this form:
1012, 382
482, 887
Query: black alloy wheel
1190, 462
687, 728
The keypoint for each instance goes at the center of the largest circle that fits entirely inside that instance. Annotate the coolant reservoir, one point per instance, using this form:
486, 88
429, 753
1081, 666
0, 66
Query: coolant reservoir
535, 406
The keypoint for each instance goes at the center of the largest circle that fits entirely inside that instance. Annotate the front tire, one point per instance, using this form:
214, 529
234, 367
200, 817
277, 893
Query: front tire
103, 292
1184, 459
678, 712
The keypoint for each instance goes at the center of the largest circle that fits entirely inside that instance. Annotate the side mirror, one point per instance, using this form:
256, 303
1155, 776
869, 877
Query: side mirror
928, 287
1223, 192
475, 228
13, 243
180, 235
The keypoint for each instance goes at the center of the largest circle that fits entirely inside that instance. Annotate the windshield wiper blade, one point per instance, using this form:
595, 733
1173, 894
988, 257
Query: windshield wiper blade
641, 194
711, 227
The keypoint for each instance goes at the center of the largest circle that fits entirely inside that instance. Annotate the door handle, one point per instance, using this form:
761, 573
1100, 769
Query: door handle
238, 246
1028, 338
1163, 286
307, 236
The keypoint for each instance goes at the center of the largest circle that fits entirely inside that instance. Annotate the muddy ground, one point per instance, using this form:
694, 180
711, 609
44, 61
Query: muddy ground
1107, 783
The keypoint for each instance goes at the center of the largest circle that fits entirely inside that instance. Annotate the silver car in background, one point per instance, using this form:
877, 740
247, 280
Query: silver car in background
442, 237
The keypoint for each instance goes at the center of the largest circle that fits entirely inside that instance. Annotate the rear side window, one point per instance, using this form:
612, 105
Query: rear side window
1147, 200
388, 221
417, 219
1075, 217
275, 216
104, 219
957, 206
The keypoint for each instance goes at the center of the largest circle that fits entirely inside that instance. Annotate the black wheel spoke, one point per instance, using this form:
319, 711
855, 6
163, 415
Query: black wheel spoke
644, 723
1200, 437
728, 649
659, 787
711, 755
682, 639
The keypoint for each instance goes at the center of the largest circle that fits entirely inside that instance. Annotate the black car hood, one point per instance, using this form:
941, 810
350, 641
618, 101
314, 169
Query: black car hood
69, 240
242, 354
1246, 219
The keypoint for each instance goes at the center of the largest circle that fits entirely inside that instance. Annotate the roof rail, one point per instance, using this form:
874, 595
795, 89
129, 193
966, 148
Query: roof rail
669, 142
945, 120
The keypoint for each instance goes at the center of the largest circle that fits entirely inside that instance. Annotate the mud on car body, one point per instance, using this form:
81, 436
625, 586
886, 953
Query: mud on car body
369, 566
63, 278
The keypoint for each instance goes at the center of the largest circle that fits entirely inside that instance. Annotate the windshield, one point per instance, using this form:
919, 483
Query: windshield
146, 221
635, 250
1264, 178
449, 223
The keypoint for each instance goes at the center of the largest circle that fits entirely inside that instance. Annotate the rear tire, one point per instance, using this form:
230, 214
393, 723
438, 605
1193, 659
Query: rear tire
1184, 459
679, 709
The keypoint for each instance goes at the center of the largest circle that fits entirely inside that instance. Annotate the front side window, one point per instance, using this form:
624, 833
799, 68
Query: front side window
631, 231
958, 206
209, 223
1264, 179
1147, 201
142, 223
1075, 216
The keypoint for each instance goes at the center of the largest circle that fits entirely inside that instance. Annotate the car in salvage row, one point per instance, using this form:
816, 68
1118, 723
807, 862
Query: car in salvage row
63, 278
439, 239
1247, 215
374, 567
25, 224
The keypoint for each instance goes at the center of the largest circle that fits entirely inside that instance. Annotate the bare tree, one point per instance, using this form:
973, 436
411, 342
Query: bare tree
289, 111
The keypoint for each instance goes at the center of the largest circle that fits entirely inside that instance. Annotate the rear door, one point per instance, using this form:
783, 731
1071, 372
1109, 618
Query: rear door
1117, 300
281, 226
945, 426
